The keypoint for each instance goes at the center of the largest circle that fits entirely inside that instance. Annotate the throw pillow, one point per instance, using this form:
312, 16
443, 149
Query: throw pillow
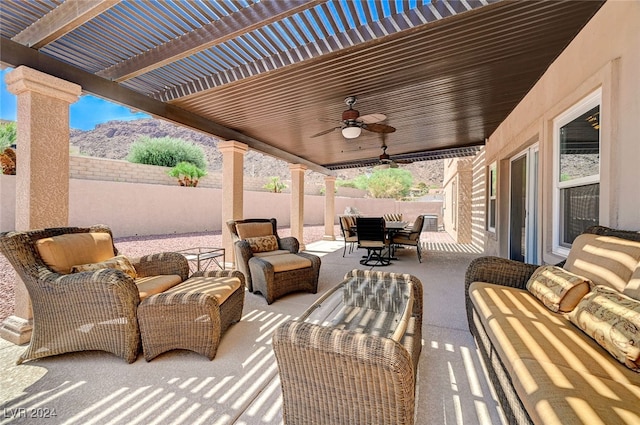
613, 320
119, 262
558, 289
263, 243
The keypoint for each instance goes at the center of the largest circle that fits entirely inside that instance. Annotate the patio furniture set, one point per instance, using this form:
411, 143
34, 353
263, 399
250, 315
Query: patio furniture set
380, 236
85, 296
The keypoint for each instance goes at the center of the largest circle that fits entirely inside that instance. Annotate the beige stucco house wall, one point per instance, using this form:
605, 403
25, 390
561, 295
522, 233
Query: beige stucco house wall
605, 55
457, 183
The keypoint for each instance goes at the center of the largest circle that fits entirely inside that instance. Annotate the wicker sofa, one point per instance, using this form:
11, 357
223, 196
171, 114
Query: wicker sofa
544, 365
79, 304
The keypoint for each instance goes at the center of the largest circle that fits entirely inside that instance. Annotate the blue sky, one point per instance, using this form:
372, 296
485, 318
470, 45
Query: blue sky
85, 114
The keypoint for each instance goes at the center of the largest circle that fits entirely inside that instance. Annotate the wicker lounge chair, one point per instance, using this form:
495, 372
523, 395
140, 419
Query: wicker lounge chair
272, 265
89, 310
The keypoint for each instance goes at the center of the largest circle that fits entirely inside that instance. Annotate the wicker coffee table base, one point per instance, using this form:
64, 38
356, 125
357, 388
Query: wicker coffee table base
188, 317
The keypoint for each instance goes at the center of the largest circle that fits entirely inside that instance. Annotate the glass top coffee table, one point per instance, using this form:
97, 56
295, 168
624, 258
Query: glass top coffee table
379, 305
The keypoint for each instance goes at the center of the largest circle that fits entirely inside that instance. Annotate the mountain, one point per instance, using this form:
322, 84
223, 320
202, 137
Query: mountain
114, 138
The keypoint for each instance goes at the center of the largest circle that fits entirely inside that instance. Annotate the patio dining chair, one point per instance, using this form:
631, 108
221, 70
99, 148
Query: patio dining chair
347, 226
372, 236
411, 237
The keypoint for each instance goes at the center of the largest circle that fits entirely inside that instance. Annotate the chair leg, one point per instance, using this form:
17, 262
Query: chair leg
419, 251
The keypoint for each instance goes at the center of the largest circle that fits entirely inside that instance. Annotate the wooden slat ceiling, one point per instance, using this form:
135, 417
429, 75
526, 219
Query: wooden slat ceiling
273, 73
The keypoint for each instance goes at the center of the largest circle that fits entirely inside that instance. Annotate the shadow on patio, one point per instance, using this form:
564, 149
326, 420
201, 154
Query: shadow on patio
241, 386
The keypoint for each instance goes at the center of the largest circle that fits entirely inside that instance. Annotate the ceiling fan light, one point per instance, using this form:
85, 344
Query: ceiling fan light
351, 132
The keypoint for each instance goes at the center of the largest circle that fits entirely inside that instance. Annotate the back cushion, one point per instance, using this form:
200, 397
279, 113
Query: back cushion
62, 252
606, 260
254, 230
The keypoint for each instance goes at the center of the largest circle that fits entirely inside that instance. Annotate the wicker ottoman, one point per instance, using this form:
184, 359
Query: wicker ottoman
192, 315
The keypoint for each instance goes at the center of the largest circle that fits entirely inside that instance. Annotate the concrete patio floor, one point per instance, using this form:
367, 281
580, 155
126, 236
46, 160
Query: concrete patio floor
241, 385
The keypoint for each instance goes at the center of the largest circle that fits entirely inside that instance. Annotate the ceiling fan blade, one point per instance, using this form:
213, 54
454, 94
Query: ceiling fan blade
379, 128
322, 133
372, 118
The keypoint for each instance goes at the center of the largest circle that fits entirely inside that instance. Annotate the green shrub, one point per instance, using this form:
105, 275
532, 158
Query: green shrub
187, 174
8, 135
166, 152
386, 183
275, 185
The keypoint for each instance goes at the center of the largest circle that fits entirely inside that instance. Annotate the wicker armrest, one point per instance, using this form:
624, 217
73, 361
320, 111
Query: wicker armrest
93, 283
496, 270
163, 263
290, 243
499, 271
221, 273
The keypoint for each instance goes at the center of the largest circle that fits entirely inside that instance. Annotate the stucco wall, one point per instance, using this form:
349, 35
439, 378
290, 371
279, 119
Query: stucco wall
605, 54
458, 186
151, 209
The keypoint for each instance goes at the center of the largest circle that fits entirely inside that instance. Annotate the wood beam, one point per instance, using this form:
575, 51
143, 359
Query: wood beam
61, 20
15, 54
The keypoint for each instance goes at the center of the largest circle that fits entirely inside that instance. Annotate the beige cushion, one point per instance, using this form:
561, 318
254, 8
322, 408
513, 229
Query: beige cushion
151, 285
613, 320
268, 253
558, 289
60, 253
252, 230
520, 327
561, 375
286, 262
605, 260
633, 287
263, 243
119, 262
219, 287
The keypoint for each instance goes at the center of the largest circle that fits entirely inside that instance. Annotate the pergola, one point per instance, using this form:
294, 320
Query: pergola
267, 75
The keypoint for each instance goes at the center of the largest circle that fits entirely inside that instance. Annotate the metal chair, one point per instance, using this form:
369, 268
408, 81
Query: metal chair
411, 237
372, 235
350, 237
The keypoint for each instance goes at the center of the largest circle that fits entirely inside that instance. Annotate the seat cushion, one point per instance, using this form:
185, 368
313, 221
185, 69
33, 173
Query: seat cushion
268, 253
606, 260
220, 287
62, 252
151, 285
286, 262
561, 375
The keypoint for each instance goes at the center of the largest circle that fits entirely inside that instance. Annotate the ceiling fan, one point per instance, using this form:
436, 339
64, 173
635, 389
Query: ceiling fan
353, 123
385, 158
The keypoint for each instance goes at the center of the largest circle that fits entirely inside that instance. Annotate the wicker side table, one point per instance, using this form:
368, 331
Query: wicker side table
192, 315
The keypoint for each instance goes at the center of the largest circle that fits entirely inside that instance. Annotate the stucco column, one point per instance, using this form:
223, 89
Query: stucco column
329, 208
297, 202
232, 189
42, 169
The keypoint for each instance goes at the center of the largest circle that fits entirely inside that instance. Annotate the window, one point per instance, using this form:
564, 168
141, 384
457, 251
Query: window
491, 203
577, 171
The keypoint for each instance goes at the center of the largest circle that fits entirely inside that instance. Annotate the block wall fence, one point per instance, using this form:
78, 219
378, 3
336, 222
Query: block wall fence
135, 199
